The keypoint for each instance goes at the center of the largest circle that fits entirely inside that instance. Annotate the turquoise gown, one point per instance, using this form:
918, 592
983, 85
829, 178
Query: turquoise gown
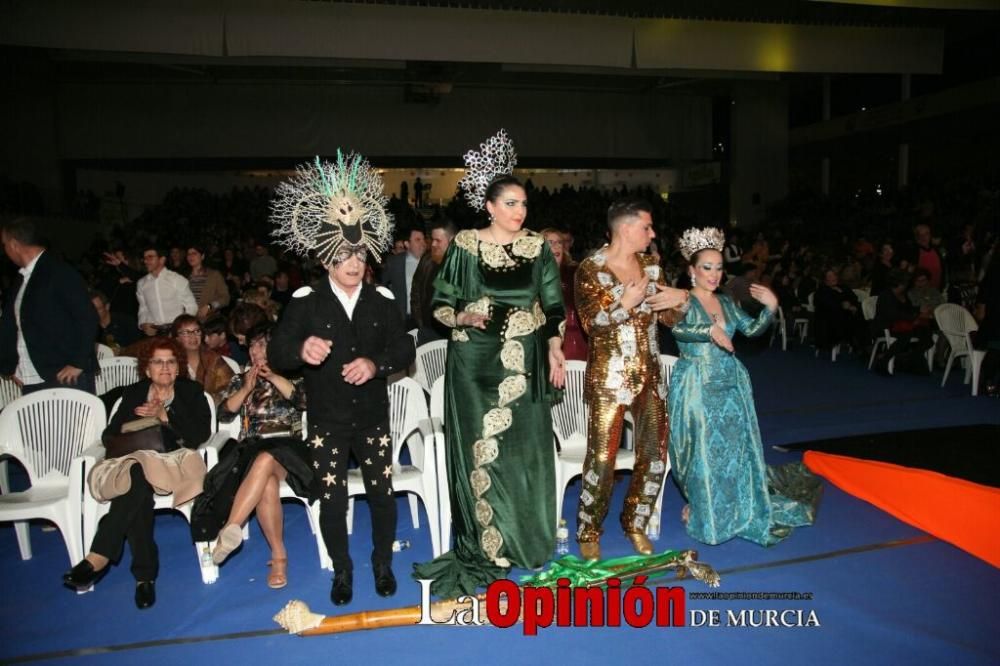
716, 454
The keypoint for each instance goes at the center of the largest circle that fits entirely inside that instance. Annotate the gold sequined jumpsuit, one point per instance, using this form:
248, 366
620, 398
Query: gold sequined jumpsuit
623, 374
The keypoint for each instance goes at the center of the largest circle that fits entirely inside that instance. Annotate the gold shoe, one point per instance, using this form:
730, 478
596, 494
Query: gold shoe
642, 545
230, 538
590, 550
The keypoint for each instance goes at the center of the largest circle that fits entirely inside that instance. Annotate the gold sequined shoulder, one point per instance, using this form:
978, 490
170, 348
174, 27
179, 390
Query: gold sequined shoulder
468, 240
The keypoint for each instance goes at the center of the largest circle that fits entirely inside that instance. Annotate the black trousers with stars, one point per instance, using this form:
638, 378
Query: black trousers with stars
372, 448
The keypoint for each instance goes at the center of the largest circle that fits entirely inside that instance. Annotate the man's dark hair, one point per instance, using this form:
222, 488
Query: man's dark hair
96, 293
25, 231
445, 224
160, 250
213, 325
625, 208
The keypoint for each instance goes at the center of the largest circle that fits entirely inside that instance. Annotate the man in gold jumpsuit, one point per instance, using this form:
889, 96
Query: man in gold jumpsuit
620, 296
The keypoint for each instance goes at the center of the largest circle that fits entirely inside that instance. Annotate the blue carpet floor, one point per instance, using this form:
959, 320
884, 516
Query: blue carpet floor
882, 591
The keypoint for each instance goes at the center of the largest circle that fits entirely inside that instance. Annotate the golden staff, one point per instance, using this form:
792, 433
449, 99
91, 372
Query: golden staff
296, 618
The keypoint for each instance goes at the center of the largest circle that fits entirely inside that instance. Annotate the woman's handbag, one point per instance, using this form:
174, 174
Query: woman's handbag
140, 435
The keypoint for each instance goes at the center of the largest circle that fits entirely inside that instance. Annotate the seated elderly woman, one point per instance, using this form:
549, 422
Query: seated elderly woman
203, 365
184, 417
270, 451
838, 317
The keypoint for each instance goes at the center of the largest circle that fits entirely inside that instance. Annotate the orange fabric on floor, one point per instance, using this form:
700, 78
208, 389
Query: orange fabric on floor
964, 514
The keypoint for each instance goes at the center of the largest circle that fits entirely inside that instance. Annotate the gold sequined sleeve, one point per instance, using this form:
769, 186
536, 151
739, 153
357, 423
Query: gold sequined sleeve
597, 304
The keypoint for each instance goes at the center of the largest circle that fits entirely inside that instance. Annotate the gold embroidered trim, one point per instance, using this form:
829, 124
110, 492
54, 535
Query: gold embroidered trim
459, 335
495, 256
480, 481
540, 318
480, 307
511, 389
485, 451
512, 356
446, 315
519, 322
468, 240
528, 246
484, 512
491, 542
496, 421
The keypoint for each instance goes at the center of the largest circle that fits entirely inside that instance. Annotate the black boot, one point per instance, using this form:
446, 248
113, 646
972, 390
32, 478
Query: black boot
385, 581
343, 588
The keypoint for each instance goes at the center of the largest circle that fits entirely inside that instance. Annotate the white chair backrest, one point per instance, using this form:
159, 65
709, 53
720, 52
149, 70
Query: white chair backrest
407, 407
233, 365
117, 371
667, 363
862, 294
810, 302
430, 363
9, 391
955, 322
868, 306
569, 416
47, 429
104, 351
414, 333
437, 398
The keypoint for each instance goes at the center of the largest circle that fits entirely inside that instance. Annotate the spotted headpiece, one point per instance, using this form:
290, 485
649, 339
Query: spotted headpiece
334, 208
495, 158
694, 240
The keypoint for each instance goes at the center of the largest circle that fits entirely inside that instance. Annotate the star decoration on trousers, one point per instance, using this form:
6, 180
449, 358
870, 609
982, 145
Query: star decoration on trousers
384, 440
371, 440
316, 464
387, 472
326, 496
317, 442
334, 452
368, 461
381, 453
344, 482
330, 479
333, 464
373, 482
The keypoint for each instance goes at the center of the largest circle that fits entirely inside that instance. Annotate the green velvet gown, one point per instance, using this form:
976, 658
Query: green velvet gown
498, 428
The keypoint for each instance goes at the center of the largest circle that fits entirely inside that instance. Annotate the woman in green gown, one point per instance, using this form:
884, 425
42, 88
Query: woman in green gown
499, 290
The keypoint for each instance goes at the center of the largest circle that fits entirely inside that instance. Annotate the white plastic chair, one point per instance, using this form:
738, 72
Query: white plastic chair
46, 431
104, 351
800, 325
778, 328
233, 365
9, 391
430, 363
409, 425
569, 423
115, 372
93, 511
444, 489
956, 323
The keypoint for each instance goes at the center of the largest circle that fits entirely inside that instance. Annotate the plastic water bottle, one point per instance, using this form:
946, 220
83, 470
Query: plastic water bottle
653, 528
562, 538
400, 544
206, 557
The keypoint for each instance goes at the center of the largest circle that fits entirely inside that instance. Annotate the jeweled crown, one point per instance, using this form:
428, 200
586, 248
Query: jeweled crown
495, 157
694, 240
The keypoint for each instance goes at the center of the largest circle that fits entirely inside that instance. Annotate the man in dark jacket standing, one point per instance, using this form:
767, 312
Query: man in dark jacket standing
48, 324
348, 337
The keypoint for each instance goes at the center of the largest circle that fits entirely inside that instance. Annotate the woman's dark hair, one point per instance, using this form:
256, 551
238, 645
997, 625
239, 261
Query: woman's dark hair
182, 320
214, 324
197, 247
259, 331
498, 184
171, 344
739, 269
244, 317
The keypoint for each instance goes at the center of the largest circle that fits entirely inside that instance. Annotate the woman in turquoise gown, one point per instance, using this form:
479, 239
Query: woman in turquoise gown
716, 454
499, 290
